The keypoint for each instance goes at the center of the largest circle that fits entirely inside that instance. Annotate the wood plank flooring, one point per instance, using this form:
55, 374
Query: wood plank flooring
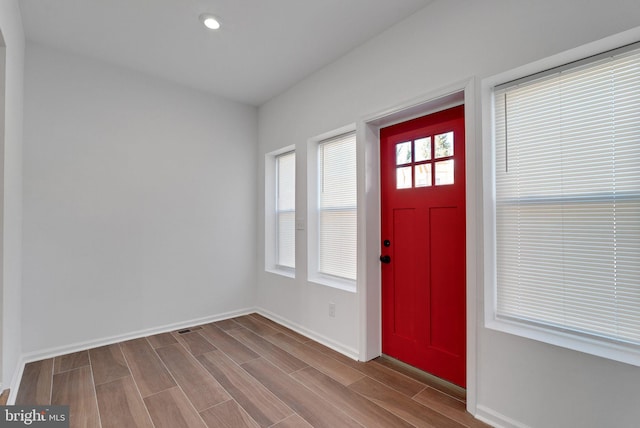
243, 372
4, 397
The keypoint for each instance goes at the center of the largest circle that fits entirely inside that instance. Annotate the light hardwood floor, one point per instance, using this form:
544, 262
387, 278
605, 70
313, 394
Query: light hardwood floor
243, 372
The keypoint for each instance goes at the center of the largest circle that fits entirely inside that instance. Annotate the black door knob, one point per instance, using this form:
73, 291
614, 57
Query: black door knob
385, 259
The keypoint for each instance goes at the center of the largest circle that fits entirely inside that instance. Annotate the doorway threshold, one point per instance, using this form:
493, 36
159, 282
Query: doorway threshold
415, 373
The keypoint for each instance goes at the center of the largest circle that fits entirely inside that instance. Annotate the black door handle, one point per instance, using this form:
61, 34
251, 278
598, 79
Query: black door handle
385, 259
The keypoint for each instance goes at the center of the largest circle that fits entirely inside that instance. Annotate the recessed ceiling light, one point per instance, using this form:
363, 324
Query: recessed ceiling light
210, 21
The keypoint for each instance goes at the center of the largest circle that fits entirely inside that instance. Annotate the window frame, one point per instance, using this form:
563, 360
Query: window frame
313, 213
271, 213
602, 347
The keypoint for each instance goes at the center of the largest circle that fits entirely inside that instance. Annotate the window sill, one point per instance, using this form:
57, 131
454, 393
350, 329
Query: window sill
600, 347
334, 282
289, 273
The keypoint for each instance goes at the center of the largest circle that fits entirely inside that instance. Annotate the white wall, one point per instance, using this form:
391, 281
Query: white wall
519, 382
139, 202
10, 265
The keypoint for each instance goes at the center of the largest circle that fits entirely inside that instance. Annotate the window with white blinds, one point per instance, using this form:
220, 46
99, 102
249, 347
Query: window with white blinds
337, 206
286, 210
567, 199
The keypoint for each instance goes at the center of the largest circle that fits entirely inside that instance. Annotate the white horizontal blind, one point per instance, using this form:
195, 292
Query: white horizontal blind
567, 159
337, 206
286, 210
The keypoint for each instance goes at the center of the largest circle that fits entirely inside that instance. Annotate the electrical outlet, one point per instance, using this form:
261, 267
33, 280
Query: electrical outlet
332, 310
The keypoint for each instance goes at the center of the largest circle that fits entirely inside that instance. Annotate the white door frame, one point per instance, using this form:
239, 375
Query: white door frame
369, 275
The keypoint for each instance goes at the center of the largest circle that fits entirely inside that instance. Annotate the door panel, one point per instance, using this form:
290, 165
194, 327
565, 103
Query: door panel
444, 270
423, 218
404, 259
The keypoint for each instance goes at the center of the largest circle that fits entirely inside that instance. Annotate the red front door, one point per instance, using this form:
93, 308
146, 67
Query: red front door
422, 169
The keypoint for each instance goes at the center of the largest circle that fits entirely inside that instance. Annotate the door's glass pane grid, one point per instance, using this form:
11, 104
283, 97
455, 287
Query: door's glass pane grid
410, 173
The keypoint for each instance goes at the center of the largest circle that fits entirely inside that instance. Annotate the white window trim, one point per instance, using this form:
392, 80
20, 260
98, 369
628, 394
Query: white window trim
629, 354
314, 276
270, 214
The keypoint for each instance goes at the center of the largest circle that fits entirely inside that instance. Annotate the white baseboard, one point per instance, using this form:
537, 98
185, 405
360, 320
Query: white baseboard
338, 347
15, 381
81, 346
496, 419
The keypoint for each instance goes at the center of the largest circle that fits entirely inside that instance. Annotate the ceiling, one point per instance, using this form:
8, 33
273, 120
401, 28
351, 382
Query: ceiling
263, 47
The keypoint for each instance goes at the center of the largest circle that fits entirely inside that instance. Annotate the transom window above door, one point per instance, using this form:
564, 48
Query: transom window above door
425, 161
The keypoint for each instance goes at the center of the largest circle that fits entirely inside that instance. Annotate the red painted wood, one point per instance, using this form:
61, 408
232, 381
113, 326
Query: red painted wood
423, 287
